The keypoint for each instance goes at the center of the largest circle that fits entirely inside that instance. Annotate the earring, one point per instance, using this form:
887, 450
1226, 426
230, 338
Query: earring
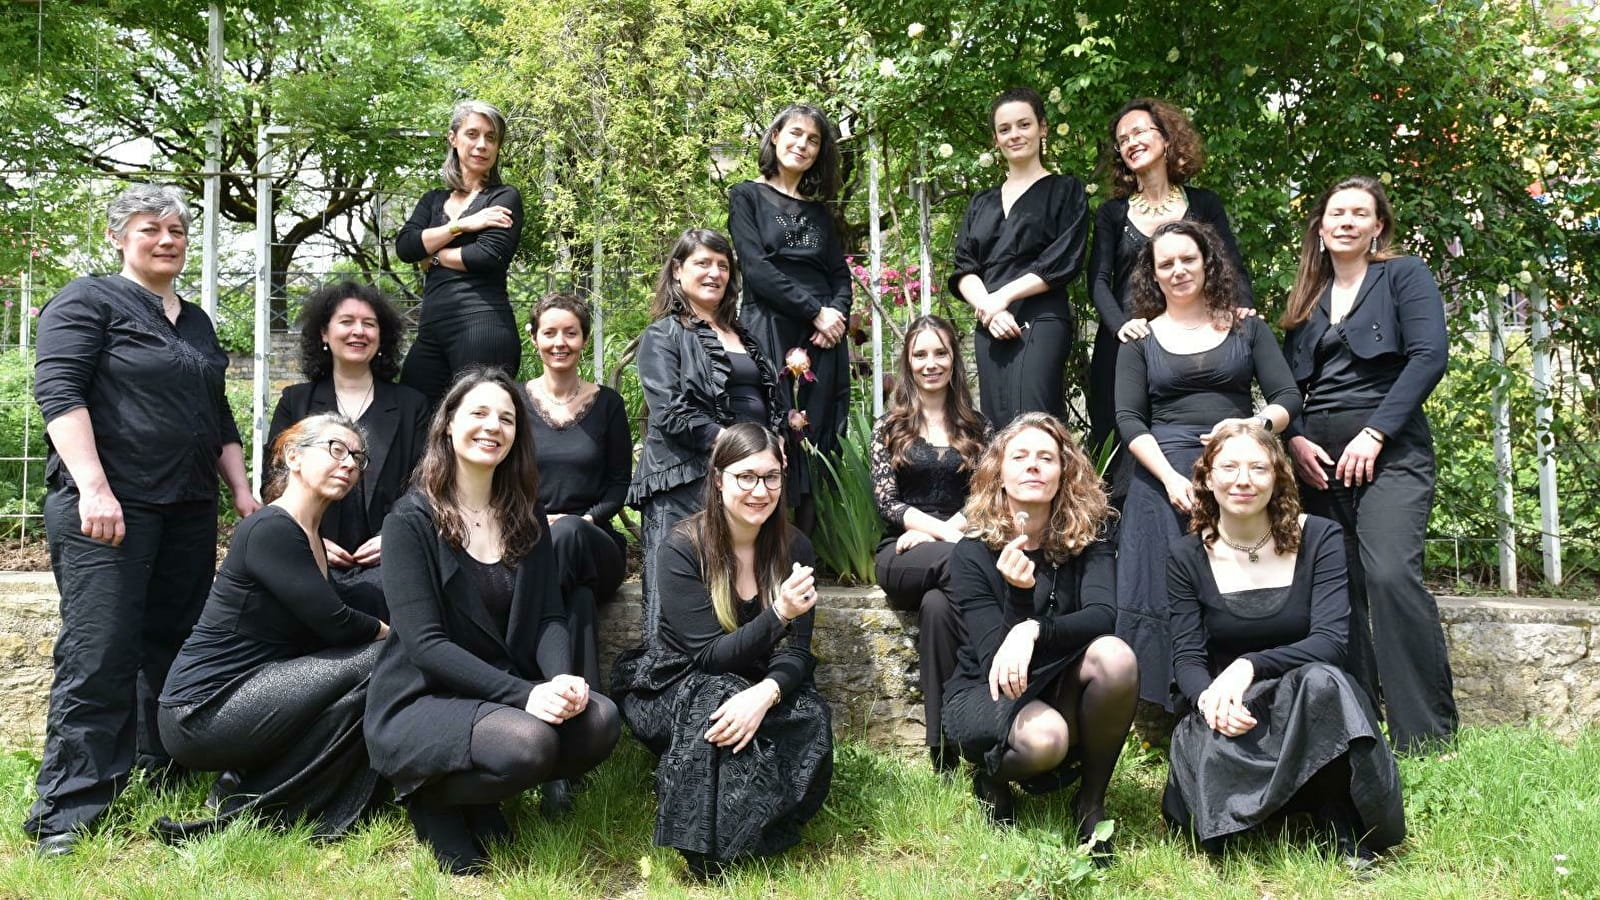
1374, 249
1321, 247
324, 346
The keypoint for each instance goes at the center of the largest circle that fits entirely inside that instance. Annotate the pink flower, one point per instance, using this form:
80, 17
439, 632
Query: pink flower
797, 362
33, 310
798, 421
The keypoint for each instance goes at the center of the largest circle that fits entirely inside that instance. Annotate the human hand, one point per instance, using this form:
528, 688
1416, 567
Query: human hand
552, 518
1309, 459
735, 723
245, 504
1133, 330
1180, 492
820, 339
1240, 313
552, 701
488, 217
383, 631
1359, 461
1206, 438
798, 593
1008, 674
1014, 565
338, 556
1222, 704
575, 689
370, 553
911, 539
831, 323
100, 516
1003, 326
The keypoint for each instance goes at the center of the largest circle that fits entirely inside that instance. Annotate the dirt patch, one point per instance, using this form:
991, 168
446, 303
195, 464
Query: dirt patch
34, 555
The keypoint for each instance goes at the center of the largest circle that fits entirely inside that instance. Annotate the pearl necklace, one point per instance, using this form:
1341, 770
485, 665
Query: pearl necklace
1144, 207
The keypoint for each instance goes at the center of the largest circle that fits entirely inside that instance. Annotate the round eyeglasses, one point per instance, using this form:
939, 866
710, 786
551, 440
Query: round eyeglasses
747, 480
341, 451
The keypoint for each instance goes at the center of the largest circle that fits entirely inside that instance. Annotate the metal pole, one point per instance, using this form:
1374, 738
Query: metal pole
210, 220
925, 234
597, 274
876, 252
1504, 487
1544, 438
263, 338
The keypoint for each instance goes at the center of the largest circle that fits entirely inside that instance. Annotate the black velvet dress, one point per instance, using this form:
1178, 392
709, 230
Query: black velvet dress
1310, 714
712, 801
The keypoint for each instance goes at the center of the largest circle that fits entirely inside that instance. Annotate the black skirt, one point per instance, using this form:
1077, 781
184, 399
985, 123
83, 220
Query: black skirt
1219, 786
981, 727
710, 800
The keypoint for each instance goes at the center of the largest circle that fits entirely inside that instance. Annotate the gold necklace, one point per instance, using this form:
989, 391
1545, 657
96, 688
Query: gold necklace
558, 400
1254, 552
1144, 207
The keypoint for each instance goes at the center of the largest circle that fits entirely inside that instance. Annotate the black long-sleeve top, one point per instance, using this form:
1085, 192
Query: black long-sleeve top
789, 257
932, 479
1209, 631
1117, 242
269, 602
761, 647
153, 388
1043, 235
1074, 603
1155, 386
448, 293
585, 465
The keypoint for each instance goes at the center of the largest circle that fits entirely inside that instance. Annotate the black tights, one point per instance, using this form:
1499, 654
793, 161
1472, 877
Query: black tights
512, 751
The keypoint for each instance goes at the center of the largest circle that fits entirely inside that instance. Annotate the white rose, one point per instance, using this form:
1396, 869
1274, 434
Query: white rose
1055, 95
985, 160
915, 30
1499, 121
1090, 188
1172, 55
1083, 21
1580, 84
1396, 58
946, 151
1537, 76
886, 69
1525, 277
1502, 290
1062, 129
1387, 178
1251, 70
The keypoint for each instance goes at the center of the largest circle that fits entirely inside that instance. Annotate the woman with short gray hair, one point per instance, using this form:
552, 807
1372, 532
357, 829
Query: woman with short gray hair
129, 378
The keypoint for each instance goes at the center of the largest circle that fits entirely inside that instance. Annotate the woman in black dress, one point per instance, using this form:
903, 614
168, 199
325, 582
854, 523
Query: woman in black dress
797, 287
923, 452
1260, 622
129, 379
271, 686
1153, 152
463, 237
585, 454
472, 699
1175, 386
1366, 341
701, 371
350, 355
1043, 692
1019, 247
725, 696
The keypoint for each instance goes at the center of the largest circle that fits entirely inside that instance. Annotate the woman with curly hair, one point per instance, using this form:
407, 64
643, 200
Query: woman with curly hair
350, 355
923, 452
1043, 692
1152, 153
1175, 386
1260, 628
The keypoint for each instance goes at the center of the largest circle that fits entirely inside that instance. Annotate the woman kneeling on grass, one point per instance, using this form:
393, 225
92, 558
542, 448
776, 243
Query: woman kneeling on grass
1043, 691
725, 696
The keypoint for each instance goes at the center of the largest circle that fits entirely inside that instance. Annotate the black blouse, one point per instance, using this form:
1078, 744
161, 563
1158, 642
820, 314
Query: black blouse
153, 388
1343, 380
1043, 235
586, 464
447, 293
1155, 386
932, 479
789, 254
269, 602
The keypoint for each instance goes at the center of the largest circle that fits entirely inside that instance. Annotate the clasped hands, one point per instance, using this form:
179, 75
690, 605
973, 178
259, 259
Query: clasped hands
558, 699
830, 326
1222, 704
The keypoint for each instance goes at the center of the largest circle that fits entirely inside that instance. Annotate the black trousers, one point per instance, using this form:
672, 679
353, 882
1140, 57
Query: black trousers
125, 613
661, 512
915, 580
446, 346
1397, 649
1025, 374
591, 563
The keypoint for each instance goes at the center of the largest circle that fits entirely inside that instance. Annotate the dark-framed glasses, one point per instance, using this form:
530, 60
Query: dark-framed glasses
341, 451
747, 481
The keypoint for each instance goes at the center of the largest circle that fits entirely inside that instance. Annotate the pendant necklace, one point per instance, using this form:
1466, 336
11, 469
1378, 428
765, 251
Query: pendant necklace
1253, 551
1142, 204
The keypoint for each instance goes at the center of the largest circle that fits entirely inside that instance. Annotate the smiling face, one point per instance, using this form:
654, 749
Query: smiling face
929, 360
796, 143
483, 427
703, 278
1180, 269
1030, 470
1140, 144
1241, 477
1350, 222
153, 248
476, 143
1017, 131
352, 332
559, 339
750, 508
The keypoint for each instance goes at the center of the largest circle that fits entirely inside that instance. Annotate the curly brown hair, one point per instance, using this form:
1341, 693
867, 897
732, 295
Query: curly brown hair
1221, 290
1078, 512
1186, 153
1283, 510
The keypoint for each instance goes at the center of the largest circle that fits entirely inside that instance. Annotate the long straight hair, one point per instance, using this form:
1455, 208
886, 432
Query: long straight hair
669, 299
514, 491
1316, 267
906, 418
712, 537
451, 170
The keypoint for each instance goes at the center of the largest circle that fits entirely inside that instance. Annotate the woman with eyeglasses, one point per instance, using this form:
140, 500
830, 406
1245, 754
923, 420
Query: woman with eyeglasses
725, 695
270, 687
1152, 153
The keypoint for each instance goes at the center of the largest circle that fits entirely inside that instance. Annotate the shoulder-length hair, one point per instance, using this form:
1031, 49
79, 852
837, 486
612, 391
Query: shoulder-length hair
1283, 510
1316, 268
1078, 511
906, 418
303, 433
451, 170
669, 299
514, 492
1186, 154
316, 360
1221, 290
712, 537
821, 181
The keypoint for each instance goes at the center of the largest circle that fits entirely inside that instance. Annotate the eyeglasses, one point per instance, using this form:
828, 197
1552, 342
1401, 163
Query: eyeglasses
1229, 471
1137, 133
747, 480
341, 451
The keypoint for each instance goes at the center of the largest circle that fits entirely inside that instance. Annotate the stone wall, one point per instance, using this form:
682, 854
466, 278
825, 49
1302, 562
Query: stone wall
1515, 660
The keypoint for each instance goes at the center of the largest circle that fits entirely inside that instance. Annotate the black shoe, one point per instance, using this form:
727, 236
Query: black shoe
555, 798
226, 785
446, 831
1102, 853
702, 868
995, 796
489, 826
64, 844
946, 760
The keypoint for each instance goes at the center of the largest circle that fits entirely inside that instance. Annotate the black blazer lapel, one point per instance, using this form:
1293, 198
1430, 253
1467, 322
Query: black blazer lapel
382, 421
1377, 273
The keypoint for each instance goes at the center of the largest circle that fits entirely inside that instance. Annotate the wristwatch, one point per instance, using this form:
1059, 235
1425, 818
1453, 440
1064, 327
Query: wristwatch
1266, 422
436, 260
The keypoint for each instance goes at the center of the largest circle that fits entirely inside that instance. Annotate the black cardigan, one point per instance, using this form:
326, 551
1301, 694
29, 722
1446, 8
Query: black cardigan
1320, 587
396, 423
1397, 313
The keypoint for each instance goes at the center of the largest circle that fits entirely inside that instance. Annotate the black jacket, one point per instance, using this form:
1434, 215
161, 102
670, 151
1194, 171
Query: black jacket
684, 369
1398, 313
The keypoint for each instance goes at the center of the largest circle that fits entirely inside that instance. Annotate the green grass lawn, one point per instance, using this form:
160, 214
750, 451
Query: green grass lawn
1507, 813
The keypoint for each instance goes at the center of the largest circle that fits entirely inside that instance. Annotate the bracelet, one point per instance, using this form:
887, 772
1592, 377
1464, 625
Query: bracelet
777, 695
455, 227
436, 260
781, 620
1373, 433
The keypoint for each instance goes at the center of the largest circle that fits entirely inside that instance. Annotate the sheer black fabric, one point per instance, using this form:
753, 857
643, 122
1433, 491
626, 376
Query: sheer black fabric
932, 480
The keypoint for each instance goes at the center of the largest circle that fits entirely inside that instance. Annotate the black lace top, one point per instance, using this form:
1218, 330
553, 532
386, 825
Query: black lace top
931, 480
